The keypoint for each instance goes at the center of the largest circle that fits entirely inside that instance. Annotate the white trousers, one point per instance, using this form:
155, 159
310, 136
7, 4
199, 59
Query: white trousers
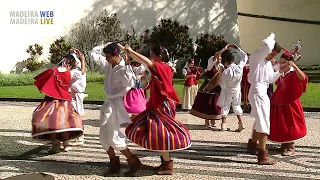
260, 110
228, 99
112, 115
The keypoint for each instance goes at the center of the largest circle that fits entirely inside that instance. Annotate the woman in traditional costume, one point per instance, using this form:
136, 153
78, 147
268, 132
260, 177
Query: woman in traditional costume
205, 104
192, 75
135, 100
245, 86
78, 87
287, 122
156, 128
55, 118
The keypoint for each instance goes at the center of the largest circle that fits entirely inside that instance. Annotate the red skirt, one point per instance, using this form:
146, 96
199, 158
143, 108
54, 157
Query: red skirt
287, 122
205, 106
56, 116
158, 130
245, 87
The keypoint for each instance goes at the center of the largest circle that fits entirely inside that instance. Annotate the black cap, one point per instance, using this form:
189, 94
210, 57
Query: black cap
112, 49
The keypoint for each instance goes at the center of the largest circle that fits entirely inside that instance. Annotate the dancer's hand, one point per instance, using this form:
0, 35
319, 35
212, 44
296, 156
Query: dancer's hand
128, 48
122, 48
78, 53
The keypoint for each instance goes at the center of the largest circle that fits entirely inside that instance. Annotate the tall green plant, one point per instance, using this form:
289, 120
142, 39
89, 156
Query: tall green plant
58, 49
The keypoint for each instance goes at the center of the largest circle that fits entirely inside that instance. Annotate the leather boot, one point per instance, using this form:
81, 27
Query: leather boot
135, 165
240, 127
252, 147
263, 158
157, 168
166, 168
289, 150
114, 166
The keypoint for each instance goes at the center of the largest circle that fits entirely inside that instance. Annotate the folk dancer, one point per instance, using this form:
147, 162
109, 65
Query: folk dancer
118, 81
245, 86
156, 128
78, 87
260, 76
135, 100
55, 118
230, 87
287, 122
205, 104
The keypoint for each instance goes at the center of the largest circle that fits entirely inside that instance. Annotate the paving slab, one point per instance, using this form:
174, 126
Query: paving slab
213, 154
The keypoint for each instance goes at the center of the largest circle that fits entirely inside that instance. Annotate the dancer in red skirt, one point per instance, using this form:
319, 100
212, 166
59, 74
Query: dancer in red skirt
156, 128
287, 122
245, 86
55, 118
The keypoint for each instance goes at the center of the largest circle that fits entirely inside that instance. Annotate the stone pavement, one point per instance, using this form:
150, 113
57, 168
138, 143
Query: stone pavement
213, 155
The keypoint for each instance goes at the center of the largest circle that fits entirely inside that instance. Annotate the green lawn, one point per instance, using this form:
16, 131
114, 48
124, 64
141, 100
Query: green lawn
96, 92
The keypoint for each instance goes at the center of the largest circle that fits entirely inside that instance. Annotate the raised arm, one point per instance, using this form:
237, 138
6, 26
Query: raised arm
300, 74
82, 59
98, 58
243, 57
267, 46
138, 57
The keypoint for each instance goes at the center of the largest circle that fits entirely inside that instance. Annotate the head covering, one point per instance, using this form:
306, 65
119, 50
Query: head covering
112, 49
287, 55
186, 66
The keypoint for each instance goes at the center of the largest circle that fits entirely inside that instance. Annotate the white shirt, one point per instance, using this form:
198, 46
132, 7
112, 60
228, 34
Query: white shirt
261, 72
118, 79
212, 63
78, 80
231, 77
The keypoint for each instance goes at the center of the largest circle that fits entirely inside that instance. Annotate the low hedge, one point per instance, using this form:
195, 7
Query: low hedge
26, 79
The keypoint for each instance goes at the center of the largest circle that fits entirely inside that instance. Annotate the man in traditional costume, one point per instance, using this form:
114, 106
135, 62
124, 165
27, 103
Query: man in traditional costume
287, 122
192, 75
205, 104
230, 87
118, 81
260, 76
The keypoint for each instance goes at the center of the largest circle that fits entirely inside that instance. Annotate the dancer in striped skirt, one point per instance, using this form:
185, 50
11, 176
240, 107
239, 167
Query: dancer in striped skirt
55, 118
156, 128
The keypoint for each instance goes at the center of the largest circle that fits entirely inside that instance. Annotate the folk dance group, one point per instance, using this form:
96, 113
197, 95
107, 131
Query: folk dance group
153, 124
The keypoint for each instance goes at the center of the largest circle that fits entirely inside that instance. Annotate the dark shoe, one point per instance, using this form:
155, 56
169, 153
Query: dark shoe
135, 165
252, 147
263, 158
157, 168
166, 168
114, 167
289, 150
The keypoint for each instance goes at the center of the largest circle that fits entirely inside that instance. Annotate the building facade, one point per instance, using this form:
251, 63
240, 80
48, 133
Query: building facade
290, 20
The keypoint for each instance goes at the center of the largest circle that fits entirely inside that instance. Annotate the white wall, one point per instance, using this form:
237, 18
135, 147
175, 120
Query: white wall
254, 30
218, 16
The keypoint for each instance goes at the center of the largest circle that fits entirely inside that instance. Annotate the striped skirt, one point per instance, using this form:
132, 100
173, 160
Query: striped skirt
158, 130
244, 92
56, 116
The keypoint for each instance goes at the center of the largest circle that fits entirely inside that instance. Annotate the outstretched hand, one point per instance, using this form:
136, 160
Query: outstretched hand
128, 48
122, 48
78, 52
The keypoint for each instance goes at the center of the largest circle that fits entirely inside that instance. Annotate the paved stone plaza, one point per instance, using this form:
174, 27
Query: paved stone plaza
213, 155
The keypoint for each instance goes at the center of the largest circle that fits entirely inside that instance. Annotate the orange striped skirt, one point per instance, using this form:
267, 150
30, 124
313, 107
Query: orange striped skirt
56, 116
158, 130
